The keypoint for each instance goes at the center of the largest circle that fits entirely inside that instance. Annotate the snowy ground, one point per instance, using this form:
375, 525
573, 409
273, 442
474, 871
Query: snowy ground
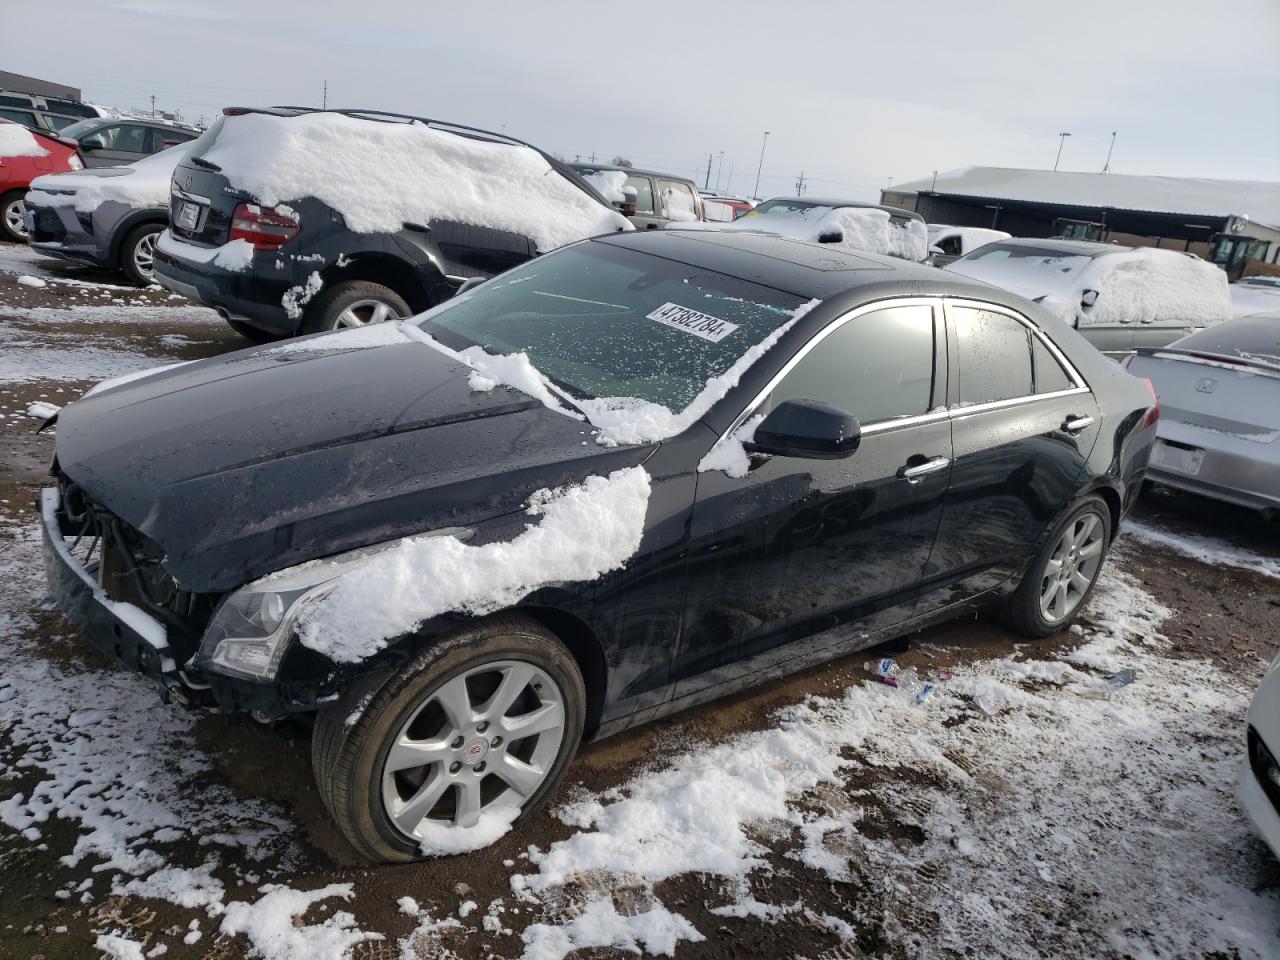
1020, 811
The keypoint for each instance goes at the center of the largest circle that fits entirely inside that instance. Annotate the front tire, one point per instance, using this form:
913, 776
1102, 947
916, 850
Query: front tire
138, 254
1064, 572
354, 303
11, 224
481, 724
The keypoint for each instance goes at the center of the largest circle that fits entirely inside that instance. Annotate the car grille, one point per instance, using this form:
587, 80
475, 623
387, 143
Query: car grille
1265, 767
48, 227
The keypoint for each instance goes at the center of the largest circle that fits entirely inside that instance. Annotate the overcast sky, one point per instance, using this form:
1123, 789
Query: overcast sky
853, 93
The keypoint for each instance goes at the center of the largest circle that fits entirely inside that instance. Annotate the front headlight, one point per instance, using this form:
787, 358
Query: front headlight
250, 631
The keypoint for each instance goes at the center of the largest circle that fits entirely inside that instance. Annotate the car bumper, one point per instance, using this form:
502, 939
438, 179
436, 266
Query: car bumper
1232, 469
123, 632
1259, 807
58, 232
247, 297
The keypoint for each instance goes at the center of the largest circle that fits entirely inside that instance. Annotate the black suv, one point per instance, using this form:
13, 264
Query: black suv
309, 271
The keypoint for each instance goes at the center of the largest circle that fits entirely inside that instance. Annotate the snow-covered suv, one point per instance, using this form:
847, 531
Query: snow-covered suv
291, 221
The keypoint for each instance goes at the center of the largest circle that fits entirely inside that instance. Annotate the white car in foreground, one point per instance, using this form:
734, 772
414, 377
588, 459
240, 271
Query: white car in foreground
1259, 785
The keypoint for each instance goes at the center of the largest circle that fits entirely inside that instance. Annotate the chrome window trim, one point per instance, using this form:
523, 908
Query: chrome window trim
937, 304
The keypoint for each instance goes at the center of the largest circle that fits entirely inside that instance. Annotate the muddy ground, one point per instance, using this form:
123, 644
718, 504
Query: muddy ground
1224, 615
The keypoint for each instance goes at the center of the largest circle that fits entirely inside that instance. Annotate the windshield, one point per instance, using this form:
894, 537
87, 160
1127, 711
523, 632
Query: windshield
1018, 258
787, 206
78, 129
603, 321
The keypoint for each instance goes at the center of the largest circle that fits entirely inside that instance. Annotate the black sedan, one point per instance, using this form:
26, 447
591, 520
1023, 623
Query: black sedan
626, 477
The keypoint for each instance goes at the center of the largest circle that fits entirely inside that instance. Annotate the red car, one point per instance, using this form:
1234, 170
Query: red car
24, 155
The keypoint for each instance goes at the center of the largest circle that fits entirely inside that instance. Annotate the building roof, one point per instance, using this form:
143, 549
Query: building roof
1257, 200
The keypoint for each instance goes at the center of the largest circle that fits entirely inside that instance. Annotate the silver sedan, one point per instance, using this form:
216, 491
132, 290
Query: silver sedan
1219, 432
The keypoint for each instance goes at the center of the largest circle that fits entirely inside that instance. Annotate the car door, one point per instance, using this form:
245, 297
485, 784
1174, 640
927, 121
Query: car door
801, 555
115, 144
1114, 338
1023, 423
647, 215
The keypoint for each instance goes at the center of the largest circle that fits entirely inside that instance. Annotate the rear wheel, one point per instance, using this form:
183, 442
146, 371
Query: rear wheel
137, 255
1064, 572
475, 732
354, 303
11, 224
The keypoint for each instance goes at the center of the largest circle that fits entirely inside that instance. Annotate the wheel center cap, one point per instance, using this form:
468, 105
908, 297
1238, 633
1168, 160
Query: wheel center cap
474, 752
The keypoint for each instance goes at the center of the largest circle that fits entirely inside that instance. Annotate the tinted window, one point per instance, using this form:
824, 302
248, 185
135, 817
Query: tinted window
877, 367
20, 116
164, 139
1050, 376
994, 356
126, 136
644, 193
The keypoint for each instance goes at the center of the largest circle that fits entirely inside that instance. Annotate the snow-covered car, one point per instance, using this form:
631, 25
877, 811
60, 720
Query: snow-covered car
108, 217
847, 224
1259, 781
292, 221
651, 199
24, 156
616, 481
1119, 298
948, 243
1219, 392
723, 209
1250, 295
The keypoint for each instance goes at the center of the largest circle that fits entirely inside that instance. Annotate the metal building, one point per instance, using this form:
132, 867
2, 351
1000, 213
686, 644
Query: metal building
17, 83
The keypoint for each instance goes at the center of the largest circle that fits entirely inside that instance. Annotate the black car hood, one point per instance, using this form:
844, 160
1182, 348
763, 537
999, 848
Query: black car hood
247, 463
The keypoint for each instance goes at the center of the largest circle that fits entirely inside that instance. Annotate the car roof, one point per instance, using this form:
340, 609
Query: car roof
832, 202
581, 167
809, 270
1083, 248
140, 121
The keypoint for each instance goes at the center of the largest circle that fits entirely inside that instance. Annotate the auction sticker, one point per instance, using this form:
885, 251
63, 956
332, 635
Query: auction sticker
691, 321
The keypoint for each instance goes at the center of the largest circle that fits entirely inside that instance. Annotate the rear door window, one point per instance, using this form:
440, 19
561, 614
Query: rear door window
993, 356
1050, 376
677, 200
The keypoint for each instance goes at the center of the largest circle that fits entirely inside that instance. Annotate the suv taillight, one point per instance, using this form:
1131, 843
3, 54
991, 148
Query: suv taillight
264, 227
1153, 413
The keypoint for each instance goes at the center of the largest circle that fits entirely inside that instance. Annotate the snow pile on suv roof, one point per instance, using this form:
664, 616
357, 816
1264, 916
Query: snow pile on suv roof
863, 229
138, 185
379, 175
17, 141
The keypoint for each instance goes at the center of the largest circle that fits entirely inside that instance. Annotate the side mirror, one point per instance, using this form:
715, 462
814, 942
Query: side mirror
831, 236
935, 249
1089, 298
806, 428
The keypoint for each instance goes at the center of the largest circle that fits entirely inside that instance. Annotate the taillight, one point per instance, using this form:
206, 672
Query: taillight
1153, 413
264, 227
74, 162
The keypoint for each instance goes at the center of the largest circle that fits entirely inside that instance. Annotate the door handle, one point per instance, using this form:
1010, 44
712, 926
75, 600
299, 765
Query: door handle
915, 474
1076, 424
651, 226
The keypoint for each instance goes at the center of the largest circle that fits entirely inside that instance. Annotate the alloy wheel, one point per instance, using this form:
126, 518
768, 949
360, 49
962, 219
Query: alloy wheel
1072, 567
365, 311
485, 739
144, 254
13, 217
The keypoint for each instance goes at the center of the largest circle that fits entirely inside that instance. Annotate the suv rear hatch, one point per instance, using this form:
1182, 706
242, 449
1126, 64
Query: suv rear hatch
202, 200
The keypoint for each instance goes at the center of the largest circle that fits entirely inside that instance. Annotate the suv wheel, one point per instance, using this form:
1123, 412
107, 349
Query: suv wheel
354, 303
1064, 572
474, 732
138, 253
11, 225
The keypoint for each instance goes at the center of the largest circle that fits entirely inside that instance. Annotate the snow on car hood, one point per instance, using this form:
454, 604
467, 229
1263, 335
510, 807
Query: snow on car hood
380, 175
864, 229
141, 184
1142, 285
17, 141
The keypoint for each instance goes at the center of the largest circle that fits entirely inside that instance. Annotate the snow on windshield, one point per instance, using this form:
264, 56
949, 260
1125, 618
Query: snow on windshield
380, 175
585, 531
17, 141
141, 184
863, 229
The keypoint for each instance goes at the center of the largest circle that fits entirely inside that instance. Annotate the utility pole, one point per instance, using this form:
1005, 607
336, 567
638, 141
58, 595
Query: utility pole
760, 166
934, 187
324, 97
593, 156
729, 179
719, 170
1106, 167
153, 105
1062, 138
706, 181
800, 184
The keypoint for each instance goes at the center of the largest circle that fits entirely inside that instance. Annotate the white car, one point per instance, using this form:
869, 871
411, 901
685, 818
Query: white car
1119, 298
1251, 295
1259, 784
948, 244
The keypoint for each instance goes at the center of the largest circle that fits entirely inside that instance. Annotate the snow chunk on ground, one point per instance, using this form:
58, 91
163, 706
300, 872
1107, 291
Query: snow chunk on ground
42, 410
235, 255
17, 141
444, 839
116, 947
585, 531
1216, 553
270, 924
656, 932
380, 175
138, 185
30, 281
